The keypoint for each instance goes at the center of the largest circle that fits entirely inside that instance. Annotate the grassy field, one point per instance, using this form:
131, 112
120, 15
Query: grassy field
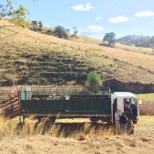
146, 97
147, 103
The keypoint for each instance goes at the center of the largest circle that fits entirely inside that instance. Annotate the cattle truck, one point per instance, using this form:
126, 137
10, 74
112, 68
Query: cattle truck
75, 102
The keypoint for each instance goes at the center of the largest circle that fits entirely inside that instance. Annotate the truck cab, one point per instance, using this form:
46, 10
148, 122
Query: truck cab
119, 101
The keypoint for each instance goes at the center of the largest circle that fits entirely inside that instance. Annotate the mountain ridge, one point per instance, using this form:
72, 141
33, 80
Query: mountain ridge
137, 40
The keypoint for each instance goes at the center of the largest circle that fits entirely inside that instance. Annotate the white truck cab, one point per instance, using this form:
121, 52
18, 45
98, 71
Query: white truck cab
117, 102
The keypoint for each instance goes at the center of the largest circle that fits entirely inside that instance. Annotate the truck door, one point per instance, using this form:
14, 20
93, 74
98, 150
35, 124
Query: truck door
120, 104
113, 107
112, 100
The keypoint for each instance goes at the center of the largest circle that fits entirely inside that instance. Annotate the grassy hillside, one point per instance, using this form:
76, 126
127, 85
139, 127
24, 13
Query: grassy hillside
28, 57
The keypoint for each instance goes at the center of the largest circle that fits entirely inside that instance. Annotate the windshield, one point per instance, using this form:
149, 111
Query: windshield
133, 100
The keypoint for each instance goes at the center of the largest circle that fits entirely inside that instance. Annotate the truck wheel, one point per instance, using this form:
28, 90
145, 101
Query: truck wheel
106, 119
94, 119
39, 119
135, 122
52, 119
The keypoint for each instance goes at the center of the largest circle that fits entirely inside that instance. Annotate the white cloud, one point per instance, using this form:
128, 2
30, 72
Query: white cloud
94, 28
81, 7
147, 13
99, 18
118, 19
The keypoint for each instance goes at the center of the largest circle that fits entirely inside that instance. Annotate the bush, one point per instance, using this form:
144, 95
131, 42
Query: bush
60, 32
93, 82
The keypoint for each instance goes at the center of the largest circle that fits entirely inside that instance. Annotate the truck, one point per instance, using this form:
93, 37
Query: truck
76, 102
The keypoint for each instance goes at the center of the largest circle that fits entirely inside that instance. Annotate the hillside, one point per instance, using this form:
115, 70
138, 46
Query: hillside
28, 57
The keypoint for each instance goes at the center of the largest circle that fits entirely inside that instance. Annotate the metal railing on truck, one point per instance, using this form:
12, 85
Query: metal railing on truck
62, 92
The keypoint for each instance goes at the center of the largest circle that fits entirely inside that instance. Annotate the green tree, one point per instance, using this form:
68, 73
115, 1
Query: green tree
34, 23
5, 9
93, 82
67, 30
17, 16
110, 38
60, 32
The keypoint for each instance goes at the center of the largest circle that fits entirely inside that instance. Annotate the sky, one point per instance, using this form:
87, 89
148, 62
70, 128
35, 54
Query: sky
94, 18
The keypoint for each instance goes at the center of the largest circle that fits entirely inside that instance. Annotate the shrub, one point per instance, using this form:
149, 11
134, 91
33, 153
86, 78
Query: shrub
93, 82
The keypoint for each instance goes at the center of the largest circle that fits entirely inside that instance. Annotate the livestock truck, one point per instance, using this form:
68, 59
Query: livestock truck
76, 102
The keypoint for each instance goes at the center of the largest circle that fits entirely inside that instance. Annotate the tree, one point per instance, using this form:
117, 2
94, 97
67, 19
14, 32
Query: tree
60, 32
5, 9
17, 16
34, 23
40, 24
94, 81
110, 38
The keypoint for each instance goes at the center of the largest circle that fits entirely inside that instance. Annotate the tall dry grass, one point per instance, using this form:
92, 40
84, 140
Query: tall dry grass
78, 130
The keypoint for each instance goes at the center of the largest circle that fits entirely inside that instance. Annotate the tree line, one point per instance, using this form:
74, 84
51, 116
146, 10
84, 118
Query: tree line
61, 32
58, 31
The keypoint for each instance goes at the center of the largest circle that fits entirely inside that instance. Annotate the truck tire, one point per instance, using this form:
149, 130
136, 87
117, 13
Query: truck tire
52, 119
94, 119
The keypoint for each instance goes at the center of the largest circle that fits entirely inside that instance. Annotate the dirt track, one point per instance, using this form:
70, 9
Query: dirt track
47, 144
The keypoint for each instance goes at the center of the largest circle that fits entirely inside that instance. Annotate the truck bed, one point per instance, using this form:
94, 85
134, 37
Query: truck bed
67, 108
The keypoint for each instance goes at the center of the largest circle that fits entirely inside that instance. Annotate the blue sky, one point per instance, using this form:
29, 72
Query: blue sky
94, 18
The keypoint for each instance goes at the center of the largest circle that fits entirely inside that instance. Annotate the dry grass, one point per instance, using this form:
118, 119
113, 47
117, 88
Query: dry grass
147, 108
77, 129
31, 140
146, 97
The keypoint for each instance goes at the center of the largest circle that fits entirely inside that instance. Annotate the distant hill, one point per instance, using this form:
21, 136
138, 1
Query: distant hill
137, 40
28, 57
